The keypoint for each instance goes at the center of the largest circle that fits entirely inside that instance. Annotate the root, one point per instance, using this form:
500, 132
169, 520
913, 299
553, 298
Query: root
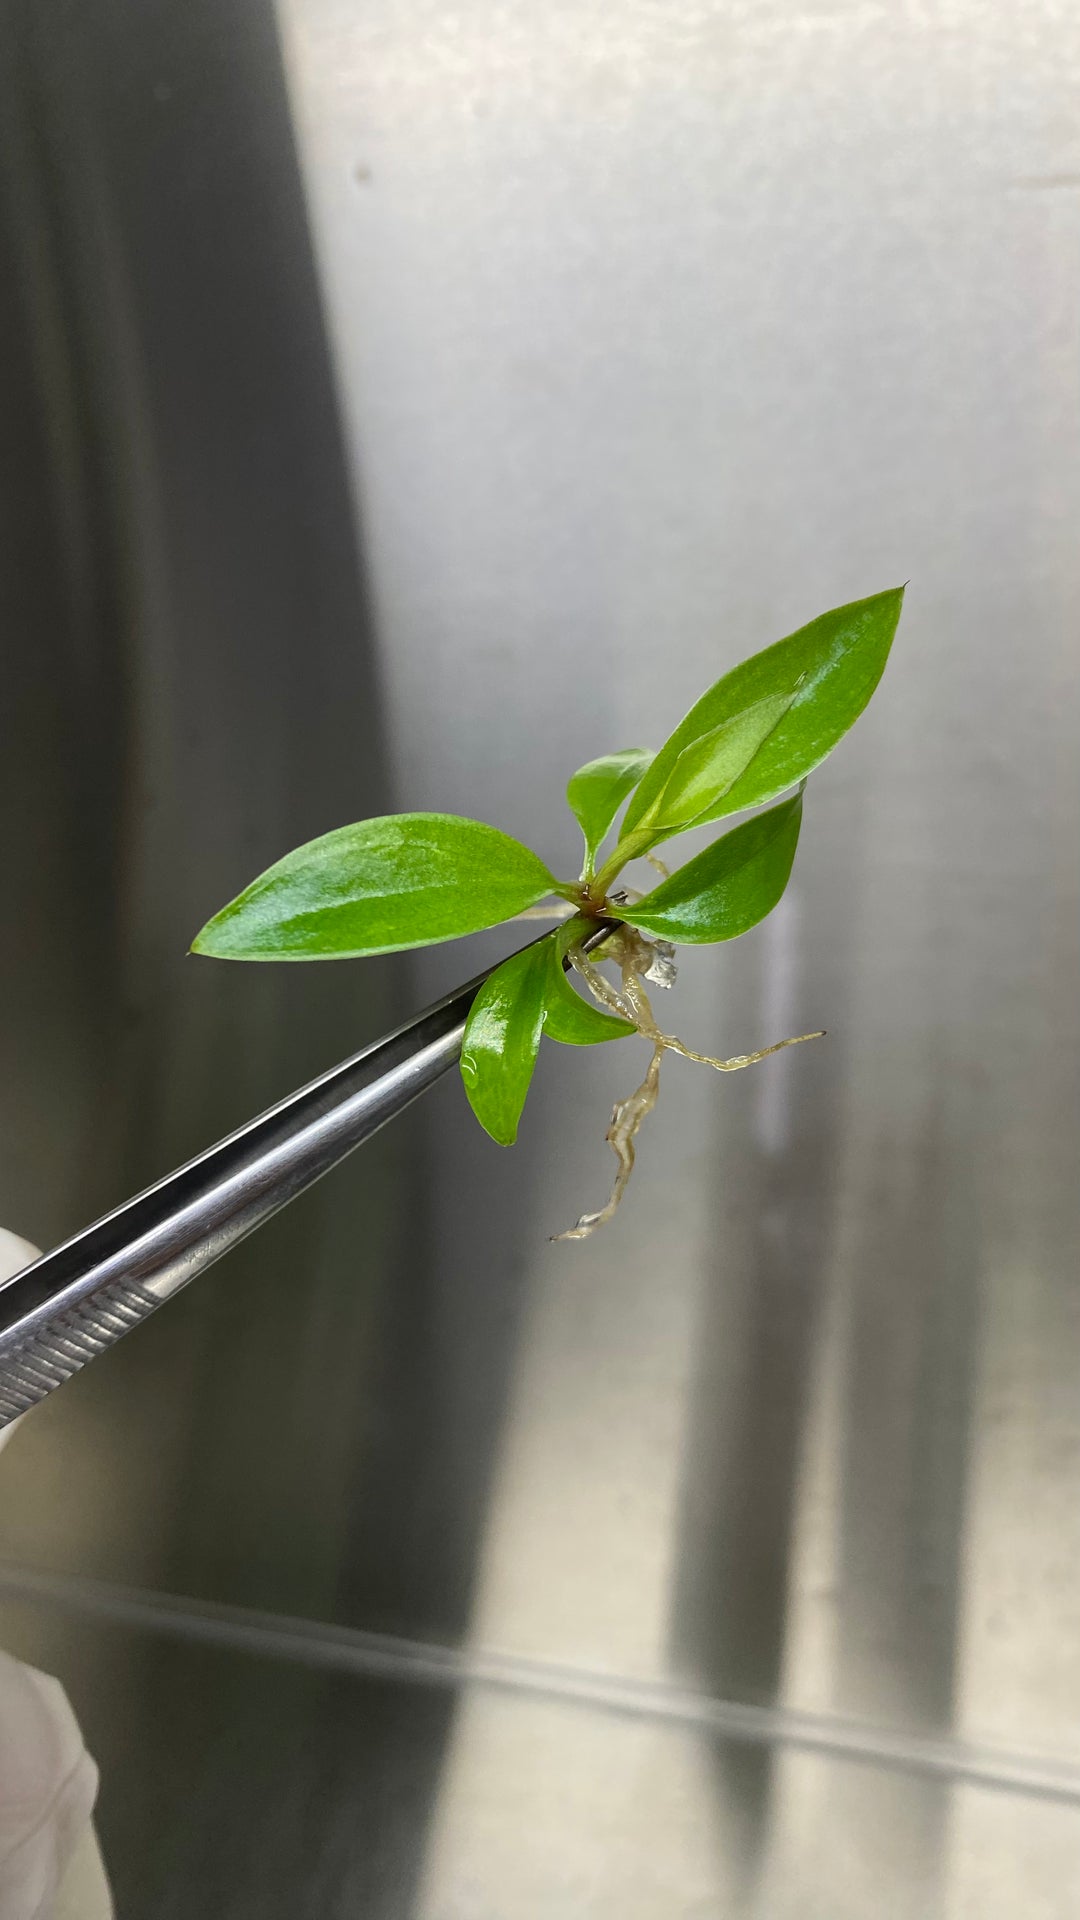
634, 955
600, 988
557, 910
637, 959
641, 1014
626, 1118
657, 864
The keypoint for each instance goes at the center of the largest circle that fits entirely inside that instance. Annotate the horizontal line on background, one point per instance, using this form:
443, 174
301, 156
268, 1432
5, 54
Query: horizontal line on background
418, 1663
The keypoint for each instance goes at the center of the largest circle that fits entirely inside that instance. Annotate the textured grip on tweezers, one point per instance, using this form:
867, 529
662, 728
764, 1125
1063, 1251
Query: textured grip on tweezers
73, 1303
63, 1344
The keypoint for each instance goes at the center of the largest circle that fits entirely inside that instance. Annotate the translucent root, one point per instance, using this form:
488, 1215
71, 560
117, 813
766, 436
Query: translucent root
626, 1118
557, 910
600, 987
632, 1004
632, 952
658, 866
641, 1013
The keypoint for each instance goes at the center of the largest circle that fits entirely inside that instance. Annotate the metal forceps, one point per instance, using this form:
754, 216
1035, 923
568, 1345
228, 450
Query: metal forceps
77, 1301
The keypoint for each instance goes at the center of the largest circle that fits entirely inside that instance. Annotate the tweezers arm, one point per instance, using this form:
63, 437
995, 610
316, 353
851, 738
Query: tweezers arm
74, 1302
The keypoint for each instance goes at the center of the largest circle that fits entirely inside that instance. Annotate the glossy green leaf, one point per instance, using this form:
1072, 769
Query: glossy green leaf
829, 669
402, 880
597, 791
708, 768
728, 888
568, 1016
502, 1038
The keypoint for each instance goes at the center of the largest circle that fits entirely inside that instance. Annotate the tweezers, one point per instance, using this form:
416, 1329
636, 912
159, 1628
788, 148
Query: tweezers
77, 1301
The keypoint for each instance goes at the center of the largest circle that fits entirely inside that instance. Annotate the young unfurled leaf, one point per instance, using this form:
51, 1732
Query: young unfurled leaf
728, 888
706, 769
567, 1017
830, 668
597, 791
502, 1038
401, 880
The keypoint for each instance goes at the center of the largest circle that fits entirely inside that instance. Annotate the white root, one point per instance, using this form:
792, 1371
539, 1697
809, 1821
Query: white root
635, 955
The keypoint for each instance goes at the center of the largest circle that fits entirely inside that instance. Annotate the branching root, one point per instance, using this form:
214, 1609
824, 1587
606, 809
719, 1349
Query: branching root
637, 957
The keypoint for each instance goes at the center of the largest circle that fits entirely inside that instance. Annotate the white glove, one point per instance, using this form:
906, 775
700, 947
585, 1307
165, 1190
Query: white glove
50, 1867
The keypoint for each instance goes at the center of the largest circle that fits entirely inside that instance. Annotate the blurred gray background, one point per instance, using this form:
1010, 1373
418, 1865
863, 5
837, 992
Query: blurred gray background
404, 402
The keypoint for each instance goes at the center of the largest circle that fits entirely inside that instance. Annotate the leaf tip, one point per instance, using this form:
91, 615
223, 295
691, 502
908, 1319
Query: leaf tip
887, 599
503, 1136
207, 945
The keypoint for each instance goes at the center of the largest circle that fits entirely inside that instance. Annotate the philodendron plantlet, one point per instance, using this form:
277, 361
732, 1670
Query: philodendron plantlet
411, 879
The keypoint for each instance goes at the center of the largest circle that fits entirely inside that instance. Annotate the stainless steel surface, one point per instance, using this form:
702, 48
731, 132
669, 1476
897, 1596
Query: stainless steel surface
75, 1302
310, 1764
656, 331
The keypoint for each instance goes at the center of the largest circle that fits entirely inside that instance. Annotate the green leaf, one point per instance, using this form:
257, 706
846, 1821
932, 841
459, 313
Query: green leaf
728, 888
597, 791
502, 1038
402, 880
568, 1017
706, 769
829, 669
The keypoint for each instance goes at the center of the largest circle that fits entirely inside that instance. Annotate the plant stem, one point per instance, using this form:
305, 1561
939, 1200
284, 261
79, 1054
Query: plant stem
628, 849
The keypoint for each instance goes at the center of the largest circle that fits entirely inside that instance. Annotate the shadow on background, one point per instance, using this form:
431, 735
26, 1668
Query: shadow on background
191, 691
848, 1267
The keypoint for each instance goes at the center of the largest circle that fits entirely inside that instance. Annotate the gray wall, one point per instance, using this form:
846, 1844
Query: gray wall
655, 331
